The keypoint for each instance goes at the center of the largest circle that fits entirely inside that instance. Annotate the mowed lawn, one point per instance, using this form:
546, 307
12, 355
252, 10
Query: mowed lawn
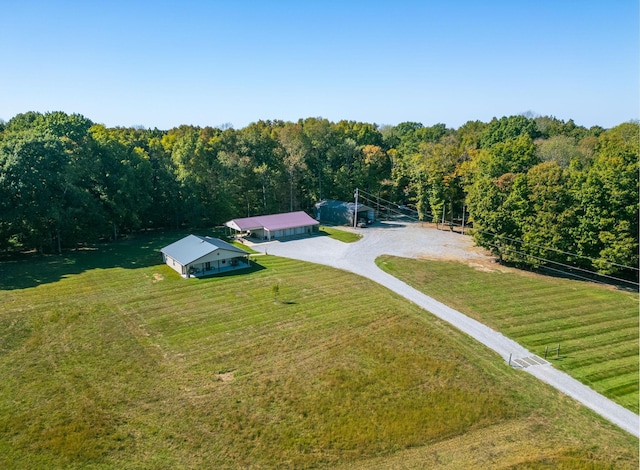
596, 326
340, 235
109, 359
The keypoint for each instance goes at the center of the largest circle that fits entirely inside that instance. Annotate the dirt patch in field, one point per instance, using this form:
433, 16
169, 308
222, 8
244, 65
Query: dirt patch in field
225, 376
486, 265
157, 277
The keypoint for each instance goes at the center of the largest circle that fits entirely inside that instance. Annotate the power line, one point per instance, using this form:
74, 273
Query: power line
611, 263
557, 250
593, 273
575, 255
375, 199
573, 275
522, 242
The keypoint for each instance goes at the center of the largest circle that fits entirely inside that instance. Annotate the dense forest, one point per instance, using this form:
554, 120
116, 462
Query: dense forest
536, 190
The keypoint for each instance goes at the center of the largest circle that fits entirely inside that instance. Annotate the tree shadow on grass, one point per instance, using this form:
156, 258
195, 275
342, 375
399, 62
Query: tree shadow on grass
582, 275
25, 270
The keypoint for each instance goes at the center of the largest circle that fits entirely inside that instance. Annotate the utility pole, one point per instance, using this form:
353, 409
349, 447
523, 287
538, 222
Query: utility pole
355, 212
451, 213
464, 206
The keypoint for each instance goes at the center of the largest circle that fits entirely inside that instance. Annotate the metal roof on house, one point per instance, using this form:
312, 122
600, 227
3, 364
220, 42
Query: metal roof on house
342, 205
273, 221
193, 247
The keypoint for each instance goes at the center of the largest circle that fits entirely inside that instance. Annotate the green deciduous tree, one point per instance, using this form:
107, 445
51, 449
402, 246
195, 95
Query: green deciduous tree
608, 198
560, 149
294, 148
494, 209
35, 189
515, 155
550, 217
508, 128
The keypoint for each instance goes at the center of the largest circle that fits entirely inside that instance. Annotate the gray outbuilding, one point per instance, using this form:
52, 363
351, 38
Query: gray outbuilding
342, 213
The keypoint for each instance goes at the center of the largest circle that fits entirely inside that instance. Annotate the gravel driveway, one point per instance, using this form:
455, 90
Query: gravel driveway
414, 240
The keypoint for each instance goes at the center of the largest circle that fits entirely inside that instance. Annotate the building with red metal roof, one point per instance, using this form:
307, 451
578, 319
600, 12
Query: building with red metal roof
273, 226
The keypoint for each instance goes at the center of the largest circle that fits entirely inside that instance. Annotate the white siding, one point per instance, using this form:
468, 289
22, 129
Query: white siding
173, 264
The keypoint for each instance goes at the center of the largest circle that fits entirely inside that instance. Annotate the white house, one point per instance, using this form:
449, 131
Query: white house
268, 227
199, 256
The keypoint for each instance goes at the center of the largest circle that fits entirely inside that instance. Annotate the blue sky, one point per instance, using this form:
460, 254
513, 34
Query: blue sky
166, 63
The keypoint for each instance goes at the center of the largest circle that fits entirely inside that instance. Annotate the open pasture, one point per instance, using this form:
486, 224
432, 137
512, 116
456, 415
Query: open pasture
596, 326
110, 360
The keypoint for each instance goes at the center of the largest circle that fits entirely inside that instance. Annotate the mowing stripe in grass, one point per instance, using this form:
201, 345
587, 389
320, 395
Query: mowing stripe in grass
604, 353
573, 341
557, 329
614, 367
624, 386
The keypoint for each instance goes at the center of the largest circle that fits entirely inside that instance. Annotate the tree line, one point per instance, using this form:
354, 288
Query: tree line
537, 190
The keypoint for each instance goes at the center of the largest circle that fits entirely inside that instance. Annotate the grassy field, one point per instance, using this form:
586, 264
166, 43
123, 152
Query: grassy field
109, 359
340, 235
596, 326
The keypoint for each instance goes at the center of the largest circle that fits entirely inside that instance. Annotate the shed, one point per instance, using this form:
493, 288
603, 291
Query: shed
198, 256
341, 212
272, 226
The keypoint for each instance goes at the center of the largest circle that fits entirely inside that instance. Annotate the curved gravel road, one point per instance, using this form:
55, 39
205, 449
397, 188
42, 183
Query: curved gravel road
412, 240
